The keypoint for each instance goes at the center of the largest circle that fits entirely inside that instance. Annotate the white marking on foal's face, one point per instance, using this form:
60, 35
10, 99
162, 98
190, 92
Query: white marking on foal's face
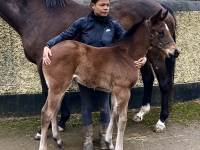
166, 27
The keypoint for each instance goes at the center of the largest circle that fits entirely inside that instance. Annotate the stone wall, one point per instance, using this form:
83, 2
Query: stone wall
19, 76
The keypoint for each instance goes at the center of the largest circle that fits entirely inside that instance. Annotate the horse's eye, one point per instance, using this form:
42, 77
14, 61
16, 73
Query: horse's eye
161, 34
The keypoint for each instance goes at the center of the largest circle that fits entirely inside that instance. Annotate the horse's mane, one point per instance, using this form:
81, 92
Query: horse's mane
51, 3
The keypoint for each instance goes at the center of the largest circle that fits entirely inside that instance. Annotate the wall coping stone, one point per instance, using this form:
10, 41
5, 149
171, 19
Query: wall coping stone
181, 5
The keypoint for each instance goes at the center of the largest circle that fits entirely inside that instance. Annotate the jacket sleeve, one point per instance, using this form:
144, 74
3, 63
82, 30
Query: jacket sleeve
68, 34
119, 31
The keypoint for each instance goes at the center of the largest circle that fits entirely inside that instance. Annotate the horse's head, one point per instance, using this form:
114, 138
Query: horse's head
160, 36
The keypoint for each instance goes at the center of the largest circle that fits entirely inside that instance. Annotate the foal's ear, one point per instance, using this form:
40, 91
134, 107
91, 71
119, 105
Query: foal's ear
164, 16
156, 17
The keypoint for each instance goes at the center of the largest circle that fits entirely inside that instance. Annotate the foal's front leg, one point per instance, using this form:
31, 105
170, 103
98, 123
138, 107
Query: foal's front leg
165, 76
122, 109
148, 79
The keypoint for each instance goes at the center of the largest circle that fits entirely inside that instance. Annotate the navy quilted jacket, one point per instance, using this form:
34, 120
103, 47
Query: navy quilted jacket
93, 30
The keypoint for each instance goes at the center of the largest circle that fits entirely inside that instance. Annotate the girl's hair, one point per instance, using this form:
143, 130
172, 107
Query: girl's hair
94, 1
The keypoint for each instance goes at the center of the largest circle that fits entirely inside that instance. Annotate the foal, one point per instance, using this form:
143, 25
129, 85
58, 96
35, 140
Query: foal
110, 69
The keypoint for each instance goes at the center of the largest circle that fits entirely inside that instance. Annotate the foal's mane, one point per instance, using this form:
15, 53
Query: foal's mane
131, 31
51, 3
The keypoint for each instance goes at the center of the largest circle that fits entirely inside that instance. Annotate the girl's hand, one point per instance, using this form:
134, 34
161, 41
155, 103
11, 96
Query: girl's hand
46, 53
140, 62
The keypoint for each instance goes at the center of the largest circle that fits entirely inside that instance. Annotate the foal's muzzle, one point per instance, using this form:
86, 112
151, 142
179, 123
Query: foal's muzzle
175, 55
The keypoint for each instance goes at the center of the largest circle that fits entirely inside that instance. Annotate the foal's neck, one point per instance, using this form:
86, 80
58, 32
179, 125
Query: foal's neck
138, 44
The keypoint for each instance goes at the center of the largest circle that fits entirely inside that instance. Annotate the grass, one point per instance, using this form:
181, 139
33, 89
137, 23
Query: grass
181, 113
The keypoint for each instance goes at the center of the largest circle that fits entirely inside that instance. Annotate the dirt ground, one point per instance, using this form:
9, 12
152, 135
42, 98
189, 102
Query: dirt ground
182, 133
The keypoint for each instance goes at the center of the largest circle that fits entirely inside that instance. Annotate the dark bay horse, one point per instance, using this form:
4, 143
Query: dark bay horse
110, 69
37, 21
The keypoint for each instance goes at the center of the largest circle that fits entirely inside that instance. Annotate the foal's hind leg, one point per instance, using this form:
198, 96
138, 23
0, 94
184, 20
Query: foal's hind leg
55, 130
113, 114
49, 111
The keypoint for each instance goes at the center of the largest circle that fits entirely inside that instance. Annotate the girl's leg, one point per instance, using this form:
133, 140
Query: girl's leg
104, 107
87, 95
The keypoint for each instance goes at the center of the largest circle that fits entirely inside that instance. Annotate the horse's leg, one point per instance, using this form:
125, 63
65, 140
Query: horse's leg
122, 107
165, 76
113, 114
44, 93
147, 78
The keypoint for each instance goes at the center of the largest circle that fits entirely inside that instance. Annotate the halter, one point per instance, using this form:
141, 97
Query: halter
159, 44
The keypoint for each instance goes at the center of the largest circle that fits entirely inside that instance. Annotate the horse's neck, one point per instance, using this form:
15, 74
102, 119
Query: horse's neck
24, 14
12, 13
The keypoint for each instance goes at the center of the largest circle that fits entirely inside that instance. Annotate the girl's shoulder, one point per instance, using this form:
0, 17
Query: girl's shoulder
81, 22
83, 19
114, 22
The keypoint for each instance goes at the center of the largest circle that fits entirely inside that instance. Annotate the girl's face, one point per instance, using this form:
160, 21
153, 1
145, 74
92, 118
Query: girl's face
101, 8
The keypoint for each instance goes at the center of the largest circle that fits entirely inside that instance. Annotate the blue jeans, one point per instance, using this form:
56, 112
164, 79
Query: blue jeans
89, 95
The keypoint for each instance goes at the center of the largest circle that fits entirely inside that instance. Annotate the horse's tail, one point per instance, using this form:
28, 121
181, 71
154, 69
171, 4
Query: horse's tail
43, 82
170, 65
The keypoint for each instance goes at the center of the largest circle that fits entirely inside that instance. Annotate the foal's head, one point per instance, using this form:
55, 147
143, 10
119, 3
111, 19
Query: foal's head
159, 34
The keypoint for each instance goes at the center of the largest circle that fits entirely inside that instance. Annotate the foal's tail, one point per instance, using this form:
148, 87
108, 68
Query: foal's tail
170, 65
43, 82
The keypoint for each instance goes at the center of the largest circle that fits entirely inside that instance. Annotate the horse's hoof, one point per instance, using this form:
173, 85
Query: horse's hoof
61, 145
137, 118
37, 137
159, 128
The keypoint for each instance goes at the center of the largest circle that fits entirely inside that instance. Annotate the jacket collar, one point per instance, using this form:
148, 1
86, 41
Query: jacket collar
103, 20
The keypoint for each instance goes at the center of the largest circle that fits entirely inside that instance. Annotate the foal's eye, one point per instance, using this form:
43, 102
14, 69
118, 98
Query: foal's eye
161, 34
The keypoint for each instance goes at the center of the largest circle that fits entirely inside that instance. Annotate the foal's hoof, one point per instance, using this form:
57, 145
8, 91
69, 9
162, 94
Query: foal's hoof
137, 118
111, 146
159, 128
61, 145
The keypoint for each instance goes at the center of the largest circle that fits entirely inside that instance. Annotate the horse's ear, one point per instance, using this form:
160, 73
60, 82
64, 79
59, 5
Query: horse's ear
156, 17
164, 16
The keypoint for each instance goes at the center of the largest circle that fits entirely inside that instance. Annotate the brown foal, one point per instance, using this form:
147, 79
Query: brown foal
109, 69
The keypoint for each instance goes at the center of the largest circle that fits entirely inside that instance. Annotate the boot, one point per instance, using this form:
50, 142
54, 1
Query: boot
102, 133
88, 133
